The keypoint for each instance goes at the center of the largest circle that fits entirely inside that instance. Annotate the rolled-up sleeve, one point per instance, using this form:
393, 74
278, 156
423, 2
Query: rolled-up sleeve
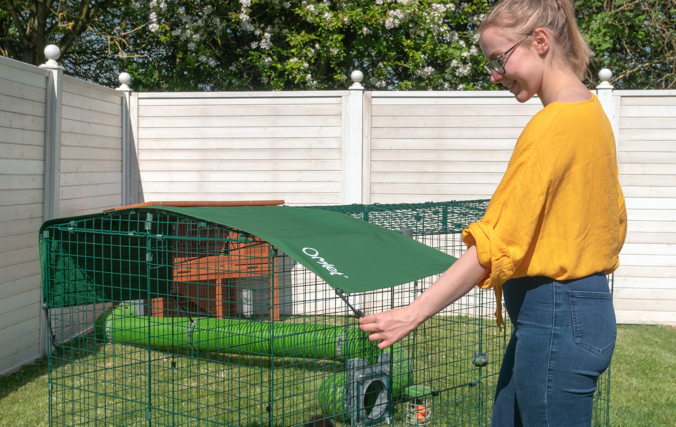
492, 252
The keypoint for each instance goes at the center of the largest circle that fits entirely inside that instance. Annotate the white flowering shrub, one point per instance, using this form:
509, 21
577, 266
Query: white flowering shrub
309, 44
278, 44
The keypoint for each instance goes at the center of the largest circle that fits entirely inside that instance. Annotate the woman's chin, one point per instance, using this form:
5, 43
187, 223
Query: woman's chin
523, 96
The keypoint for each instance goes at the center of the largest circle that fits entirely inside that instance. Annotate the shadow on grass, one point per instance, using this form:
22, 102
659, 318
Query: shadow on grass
27, 374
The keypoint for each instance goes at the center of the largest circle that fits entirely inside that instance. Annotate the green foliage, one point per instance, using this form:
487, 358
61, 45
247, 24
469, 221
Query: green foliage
277, 45
636, 39
170, 45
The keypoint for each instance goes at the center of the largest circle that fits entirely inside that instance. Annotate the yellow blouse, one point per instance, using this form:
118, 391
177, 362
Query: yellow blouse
559, 211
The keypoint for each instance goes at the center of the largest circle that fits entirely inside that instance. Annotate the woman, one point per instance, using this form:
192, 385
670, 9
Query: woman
552, 231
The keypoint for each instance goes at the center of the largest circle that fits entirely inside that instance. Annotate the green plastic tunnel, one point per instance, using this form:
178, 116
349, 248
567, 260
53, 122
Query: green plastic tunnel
306, 340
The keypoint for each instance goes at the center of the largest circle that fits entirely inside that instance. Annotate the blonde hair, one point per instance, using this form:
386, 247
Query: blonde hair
558, 16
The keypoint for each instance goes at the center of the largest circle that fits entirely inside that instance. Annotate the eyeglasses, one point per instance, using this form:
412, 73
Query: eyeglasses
497, 64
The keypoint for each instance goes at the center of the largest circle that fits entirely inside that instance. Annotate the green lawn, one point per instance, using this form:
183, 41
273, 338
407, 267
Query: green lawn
643, 384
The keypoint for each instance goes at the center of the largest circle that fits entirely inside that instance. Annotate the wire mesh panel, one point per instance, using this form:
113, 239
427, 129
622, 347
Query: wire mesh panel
163, 319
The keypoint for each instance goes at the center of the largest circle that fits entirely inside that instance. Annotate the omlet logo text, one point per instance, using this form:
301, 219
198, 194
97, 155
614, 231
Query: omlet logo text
314, 254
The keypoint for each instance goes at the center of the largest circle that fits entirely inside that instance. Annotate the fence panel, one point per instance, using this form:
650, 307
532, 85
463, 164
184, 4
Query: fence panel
438, 146
91, 148
231, 146
644, 283
22, 139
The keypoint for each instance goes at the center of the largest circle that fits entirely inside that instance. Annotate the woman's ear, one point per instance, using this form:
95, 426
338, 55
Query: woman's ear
541, 40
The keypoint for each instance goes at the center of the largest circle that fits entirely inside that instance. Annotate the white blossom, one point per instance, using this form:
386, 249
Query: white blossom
176, 32
473, 50
154, 27
426, 72
208, 9
246, 26
287, 5
203, 58
212, 62
265, 42
136, 5
245, 3
254, 45
191, 46
327, 15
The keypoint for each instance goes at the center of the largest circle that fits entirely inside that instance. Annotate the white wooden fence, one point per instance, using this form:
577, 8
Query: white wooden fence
69, 147
60, 154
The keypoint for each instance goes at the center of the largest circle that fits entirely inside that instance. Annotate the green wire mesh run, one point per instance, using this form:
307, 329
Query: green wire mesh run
161, 319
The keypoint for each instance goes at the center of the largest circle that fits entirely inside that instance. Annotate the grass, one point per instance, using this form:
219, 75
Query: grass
642, 386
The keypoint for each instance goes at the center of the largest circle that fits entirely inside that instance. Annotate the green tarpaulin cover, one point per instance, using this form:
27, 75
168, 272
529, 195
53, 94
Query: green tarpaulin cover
348, 253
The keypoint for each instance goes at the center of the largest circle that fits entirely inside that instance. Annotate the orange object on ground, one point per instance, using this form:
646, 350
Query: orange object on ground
421, 413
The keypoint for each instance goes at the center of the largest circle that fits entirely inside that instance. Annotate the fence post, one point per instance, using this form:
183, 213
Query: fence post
610, 103
128, 160
52, 165
51, 188
352, 153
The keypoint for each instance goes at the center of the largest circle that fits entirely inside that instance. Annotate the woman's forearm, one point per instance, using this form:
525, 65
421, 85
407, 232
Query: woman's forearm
457, 281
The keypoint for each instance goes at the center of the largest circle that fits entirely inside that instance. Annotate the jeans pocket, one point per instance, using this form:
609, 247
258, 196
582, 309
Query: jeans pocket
594, 324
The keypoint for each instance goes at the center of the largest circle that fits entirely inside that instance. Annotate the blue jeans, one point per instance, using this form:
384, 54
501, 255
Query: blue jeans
563, 339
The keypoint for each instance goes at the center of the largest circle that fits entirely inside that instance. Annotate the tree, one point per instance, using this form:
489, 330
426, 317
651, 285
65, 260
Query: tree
634, 38
92, 35
278, 44
314, 44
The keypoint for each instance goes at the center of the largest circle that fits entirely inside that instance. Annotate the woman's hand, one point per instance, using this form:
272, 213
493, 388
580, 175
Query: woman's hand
390, 326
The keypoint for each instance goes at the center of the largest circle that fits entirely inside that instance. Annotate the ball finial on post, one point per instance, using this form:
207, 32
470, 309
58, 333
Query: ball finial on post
357, 76
124, 79
605, 74
52, 53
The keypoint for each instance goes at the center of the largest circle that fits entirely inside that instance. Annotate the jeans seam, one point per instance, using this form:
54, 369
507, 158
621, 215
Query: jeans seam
549, 361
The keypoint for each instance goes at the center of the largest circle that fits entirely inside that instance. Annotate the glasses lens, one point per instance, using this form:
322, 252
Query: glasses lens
497, 66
